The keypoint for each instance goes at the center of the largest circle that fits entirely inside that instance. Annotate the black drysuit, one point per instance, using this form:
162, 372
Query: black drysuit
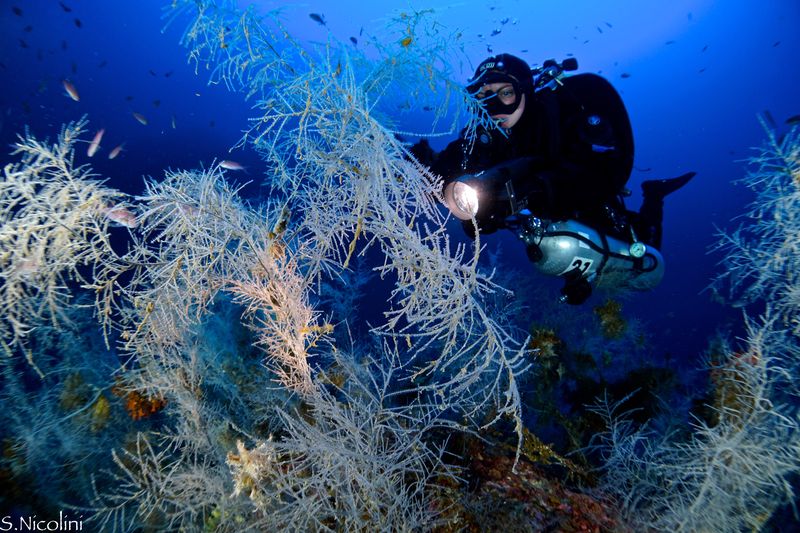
569, 155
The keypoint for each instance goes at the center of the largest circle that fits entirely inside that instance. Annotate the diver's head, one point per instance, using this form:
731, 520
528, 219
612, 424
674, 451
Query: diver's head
503, 102
502, 83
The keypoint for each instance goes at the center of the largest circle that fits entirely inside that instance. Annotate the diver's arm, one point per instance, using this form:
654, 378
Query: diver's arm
504, 189
547, 190
524, 182
551, 190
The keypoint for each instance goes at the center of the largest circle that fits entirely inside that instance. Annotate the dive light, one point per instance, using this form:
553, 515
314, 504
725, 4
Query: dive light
462, 199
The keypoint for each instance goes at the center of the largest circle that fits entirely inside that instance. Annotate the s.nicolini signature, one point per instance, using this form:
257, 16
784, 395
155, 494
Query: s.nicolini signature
37, 523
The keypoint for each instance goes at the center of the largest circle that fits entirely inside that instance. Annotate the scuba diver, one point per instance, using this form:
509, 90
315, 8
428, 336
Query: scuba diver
549, 160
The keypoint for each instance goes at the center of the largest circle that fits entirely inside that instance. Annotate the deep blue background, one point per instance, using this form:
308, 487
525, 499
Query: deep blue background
694, 76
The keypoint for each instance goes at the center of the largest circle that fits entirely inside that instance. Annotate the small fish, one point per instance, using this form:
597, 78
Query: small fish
794, 119
115, 152
570, 55
156, 103
427, 108
65, 7
71, 90
646, 169
230, 165
17, 11
27, 29
599, 29
102, 64
776, 43
586, 41
496, 31
689, 16
152, 72
406, 41
173, 122
704, 49
701, 70
670, 42
504, 21
608, 24
120, 215
74, 67
95, 144
78, 23
140, 118
319, 19
624, 75
211, 123
63, 45
354, 40
23, 44
489, 49
168, 74
128, 98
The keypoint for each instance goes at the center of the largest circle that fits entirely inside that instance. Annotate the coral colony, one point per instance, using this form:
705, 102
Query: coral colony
216, 372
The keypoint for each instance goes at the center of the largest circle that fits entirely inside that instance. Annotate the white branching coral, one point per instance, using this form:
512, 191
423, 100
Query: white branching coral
351, 186
762, 257
53, 221
351, 461
734, 469
351, 455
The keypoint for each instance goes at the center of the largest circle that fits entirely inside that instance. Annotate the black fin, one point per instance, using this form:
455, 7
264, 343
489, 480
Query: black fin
661, 188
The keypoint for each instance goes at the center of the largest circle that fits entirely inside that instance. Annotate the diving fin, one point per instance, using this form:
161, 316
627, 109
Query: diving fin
658, 189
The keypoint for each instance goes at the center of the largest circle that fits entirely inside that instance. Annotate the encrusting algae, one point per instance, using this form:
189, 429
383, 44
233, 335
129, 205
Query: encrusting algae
139, 405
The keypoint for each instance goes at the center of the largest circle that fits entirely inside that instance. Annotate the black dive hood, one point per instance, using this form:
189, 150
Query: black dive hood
502, 68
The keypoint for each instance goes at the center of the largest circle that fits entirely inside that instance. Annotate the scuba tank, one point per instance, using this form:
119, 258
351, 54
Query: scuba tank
574, 251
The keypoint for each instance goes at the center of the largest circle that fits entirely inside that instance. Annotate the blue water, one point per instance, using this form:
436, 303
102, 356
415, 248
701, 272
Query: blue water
694, 76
